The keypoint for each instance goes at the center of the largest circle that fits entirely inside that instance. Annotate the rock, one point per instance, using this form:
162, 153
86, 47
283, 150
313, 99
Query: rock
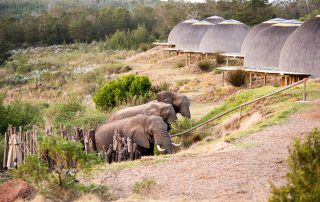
14, 189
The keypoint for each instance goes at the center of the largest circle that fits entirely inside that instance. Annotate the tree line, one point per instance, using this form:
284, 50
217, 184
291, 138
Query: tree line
129, 28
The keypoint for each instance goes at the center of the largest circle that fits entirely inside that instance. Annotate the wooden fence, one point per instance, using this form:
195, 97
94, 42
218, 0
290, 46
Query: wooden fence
19, 144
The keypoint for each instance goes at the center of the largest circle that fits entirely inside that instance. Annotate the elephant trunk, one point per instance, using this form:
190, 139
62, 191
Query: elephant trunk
185, 111
162, 138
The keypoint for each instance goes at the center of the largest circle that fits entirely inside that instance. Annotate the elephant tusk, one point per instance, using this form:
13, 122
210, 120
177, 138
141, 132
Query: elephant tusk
176, 145
159, 148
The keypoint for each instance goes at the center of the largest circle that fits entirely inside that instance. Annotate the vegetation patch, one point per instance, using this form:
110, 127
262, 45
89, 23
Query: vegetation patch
303, 177
236, 78
205, 65
144, 186
122, 90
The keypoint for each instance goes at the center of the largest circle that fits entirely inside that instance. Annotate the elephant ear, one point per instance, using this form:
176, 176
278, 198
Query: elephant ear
141, 140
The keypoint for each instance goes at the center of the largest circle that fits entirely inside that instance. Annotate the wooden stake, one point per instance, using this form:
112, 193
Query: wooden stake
5, 150
305, 90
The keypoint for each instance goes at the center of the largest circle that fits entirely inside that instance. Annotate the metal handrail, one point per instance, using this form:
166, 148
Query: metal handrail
245, 104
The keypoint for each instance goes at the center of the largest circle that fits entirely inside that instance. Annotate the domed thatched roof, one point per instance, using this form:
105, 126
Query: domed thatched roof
176, 31
254, 32
214, 19
226, 36
191, 36
301, 51
268, 45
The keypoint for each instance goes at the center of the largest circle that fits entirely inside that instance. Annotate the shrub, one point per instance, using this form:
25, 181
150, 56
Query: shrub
182, 82
163, 86
64, 113
205, 65
59, 180
236, 78
303, 177
20, 113
144, 185
144, 47
219, 58
122, 90
180, 64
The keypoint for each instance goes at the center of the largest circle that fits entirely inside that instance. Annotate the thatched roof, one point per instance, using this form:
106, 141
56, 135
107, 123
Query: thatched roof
174, 34
301, 51
268, 45
214, 19
250, 38
226, 36
191, 36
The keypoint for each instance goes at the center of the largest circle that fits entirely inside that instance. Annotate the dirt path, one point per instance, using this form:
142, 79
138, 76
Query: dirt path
232, 172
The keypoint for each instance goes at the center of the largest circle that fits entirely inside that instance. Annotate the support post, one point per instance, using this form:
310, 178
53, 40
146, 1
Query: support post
265, 79
250, 80
240, 113
305, 90
227, 61
222, 78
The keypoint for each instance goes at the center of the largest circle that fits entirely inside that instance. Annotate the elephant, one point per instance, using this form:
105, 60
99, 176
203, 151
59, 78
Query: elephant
164, 110
144, 130
179, 102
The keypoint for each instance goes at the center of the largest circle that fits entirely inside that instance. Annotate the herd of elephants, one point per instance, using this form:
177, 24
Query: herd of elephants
134, 131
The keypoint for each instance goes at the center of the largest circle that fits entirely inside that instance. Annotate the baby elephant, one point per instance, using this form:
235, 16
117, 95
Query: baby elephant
164, 110
144, 130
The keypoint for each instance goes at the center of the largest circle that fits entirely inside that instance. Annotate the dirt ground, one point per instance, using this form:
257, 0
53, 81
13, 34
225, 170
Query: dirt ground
240, 171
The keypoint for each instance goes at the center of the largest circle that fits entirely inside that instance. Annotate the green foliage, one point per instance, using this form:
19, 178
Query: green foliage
205, 65
60, 180
34, 170
303, 177
20, 113
122, 90
236, 78
310, 16
188, 139
144, 185
64, 113
219, 58
130, 39
180, 64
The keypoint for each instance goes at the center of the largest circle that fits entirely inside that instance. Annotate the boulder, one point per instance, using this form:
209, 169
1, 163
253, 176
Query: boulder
14, 189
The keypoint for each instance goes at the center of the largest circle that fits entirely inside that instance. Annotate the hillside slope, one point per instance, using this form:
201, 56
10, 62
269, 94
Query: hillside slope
240, 171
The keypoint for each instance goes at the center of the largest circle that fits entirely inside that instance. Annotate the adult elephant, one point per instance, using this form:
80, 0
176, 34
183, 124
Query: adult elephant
144, 130
179, 102
164, 110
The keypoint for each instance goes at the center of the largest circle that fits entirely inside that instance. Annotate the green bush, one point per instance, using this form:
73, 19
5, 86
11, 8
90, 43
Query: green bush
64, 113
122, 90
205, 65
303, 177
59, 180
236, 78
219, 58
20, 113
180, 64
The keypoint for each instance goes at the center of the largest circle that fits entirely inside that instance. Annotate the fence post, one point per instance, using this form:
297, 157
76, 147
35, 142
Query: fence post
305, 90
5, 151
240, 113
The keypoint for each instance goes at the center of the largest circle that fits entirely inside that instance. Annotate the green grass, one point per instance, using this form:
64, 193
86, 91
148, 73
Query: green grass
144, 185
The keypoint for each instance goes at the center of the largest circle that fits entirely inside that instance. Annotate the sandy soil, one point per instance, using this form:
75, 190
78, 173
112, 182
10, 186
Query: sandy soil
240, 171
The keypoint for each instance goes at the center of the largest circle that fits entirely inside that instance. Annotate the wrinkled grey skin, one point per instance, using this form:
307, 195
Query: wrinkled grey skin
164, 110
144, 130
179, 102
